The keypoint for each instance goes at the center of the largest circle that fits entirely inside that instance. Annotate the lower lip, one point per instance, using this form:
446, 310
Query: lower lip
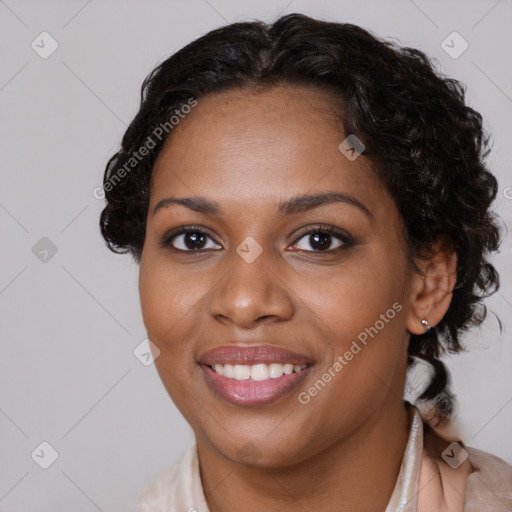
250, 392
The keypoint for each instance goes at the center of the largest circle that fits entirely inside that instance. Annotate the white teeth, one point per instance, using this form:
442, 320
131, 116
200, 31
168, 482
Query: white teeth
275, 370
242, 371
257, 372
287, 369
229, 370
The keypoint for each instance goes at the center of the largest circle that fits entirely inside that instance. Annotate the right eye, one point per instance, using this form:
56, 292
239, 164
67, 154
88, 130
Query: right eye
188, 239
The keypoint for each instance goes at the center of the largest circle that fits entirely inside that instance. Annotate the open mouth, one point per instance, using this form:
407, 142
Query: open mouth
253, 375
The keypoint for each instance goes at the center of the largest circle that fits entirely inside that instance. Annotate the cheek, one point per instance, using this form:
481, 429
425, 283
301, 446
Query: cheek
169, 304
362, 316
363, 363
166, 296
352, 297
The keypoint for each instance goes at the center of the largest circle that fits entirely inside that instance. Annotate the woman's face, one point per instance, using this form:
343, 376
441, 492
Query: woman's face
273, 278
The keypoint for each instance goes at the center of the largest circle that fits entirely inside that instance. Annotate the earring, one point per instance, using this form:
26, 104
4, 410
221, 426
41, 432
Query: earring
426, 325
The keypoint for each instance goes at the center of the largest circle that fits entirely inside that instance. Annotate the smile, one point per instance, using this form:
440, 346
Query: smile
251, 392
253, 375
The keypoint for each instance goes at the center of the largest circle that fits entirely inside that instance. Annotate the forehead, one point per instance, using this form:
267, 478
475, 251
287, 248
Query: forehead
244, 147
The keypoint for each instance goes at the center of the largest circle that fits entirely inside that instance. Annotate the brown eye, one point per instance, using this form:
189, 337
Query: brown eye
189, 240
322, 240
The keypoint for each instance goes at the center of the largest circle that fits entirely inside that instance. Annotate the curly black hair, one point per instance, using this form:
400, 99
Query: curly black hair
425, 143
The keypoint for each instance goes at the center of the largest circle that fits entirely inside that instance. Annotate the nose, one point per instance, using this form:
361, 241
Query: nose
251, 293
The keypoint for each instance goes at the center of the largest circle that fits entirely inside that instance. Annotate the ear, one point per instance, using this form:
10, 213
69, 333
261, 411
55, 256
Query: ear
432, 289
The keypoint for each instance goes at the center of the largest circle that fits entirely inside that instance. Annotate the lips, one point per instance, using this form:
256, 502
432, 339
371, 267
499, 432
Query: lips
238, 387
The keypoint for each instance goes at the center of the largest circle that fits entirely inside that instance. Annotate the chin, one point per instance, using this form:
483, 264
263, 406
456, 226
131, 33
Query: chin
263, 455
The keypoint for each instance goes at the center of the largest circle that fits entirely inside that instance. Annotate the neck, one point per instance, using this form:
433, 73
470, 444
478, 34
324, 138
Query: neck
364, 464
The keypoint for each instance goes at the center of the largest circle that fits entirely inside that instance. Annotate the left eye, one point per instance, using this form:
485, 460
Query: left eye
321, 241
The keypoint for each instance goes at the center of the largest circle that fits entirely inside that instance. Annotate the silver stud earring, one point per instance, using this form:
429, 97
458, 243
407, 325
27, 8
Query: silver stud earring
426, 325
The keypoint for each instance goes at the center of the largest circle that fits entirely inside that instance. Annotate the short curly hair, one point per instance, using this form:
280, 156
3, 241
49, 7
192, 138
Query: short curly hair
425, 143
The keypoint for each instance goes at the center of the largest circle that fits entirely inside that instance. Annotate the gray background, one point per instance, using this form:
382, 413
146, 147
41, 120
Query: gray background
70, 324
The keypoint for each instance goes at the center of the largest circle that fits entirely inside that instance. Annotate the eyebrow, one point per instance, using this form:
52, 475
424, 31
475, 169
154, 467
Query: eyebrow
294, 205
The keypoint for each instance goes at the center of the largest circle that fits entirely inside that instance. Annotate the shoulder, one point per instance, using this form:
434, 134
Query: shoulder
475, 480
489, 484
172, 488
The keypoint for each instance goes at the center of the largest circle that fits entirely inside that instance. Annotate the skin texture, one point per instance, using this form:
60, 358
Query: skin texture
249, 151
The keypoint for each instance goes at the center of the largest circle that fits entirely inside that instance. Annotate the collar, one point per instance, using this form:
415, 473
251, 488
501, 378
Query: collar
405, 494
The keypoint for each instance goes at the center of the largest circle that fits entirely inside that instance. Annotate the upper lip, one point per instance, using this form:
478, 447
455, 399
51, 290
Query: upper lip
252, 354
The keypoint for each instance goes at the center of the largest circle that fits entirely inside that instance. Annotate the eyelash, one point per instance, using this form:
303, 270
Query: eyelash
341, 235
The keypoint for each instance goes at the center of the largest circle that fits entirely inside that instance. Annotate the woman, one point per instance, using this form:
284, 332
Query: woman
310, 210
